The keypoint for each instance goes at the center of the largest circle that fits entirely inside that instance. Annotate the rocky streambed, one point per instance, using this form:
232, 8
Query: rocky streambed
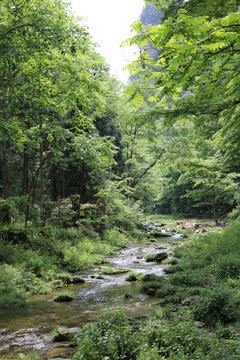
28, 328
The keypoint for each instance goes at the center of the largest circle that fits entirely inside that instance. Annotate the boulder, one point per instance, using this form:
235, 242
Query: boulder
127, 296
63, 297
161, 256
15, 346
65, 334
159, 234
199, 324
131, 277
189, 300
109, 271
151, 292
100, 277
156, 257
182, 317
77, 280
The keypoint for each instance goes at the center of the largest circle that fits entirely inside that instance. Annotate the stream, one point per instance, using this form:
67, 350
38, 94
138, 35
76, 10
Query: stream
28, 328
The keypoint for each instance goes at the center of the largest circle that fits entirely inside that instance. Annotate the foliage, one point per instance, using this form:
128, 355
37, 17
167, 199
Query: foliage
187, 68
110, 338
181, 340
11, 292
216, 305
26, 357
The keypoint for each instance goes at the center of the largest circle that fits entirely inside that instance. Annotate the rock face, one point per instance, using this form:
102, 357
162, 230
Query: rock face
64, 334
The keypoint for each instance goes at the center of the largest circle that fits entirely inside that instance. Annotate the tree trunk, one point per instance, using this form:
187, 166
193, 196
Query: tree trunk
4, 170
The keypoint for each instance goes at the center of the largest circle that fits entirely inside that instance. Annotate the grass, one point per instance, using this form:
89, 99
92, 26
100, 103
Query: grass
208, 276
162, 337
24, 357
41, 260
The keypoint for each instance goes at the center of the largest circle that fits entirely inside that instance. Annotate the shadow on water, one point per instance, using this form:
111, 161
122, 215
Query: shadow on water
29, 327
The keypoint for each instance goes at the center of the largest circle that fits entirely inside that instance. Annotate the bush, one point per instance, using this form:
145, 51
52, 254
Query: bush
166, 290
110, 338
85, 254
182, 341
187, 278
115, 238
216, 305
152, 277
173, 269
11, 292
228, 266
155, 284
25, 357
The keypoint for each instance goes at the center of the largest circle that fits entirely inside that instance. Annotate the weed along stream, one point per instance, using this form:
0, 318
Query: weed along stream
28, 328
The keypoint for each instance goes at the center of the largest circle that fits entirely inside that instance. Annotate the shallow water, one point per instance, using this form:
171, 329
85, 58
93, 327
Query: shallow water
28, 327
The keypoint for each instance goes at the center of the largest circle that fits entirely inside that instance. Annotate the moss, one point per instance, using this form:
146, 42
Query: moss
65, 296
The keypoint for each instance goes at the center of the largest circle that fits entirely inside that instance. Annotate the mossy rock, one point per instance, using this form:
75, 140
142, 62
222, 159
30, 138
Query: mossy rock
156, 257
151, 292
109, 271
160, 234
170, 261
64, 297
131, 277
64, 334
77, 280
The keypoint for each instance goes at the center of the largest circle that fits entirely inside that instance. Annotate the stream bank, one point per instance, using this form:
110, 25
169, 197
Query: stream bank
29, 327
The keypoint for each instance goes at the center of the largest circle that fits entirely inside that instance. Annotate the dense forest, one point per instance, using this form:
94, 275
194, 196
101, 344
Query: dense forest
86, 159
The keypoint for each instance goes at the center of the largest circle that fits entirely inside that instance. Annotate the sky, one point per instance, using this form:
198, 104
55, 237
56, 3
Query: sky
109, 23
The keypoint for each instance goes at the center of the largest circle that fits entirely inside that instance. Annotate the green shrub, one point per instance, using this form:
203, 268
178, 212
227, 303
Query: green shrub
216, 305
85, 254
173, 269
186, 278
228, 266
11, 291
155, 284
183, 341
115, 238
152, 277
110, 338
25, 357
66, 278
165, 290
